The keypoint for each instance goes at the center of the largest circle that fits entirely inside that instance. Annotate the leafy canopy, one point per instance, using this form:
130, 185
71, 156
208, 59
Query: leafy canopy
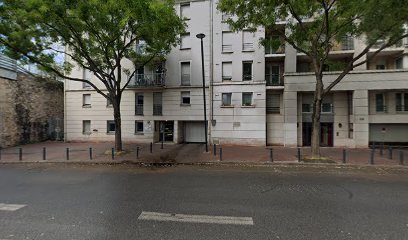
332, 20
95, 34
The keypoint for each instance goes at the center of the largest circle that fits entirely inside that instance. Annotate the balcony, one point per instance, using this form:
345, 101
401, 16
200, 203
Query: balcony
155, 80
157, 110
381, 108
346, 44
273, 80
401, 108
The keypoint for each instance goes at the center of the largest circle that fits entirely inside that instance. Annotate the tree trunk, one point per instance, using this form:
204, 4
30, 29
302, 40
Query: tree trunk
317, 105
118, 126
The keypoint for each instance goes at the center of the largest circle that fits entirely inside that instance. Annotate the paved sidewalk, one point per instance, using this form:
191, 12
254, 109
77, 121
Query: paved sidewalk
186, 153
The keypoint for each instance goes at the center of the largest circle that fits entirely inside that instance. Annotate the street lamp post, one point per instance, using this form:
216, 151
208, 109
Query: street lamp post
201, 36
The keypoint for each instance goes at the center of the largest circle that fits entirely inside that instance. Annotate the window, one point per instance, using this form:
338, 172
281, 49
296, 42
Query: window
185, 73
157, 104
86, 126
380, 103
272, 75
86, 76
306, 108
185, 98
86, 100
141, 47
139, 102
401, 102
227, 71
327, 108
110, 126
185, 11
248, 41
247, 71
247, 99
185, 41
139, 127
226, 99
273, 103
227, 42
399, 63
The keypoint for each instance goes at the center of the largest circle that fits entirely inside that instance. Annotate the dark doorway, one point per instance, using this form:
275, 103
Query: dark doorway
166, 131
326, 134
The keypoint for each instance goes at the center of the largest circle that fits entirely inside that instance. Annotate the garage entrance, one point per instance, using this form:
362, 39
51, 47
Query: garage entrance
194, 132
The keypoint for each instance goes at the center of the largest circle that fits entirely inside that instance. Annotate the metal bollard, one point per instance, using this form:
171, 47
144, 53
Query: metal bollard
162, 144
344, 156
20, 154
44, 153
215, 150
298, 155
372, 156
389, 152
90, 153
382, 149
401, 157
151, 147
0, 153
220, 153
113, 153
271, 155
137, 153
67, 153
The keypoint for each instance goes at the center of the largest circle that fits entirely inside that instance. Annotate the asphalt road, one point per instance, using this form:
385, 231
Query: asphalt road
104, 202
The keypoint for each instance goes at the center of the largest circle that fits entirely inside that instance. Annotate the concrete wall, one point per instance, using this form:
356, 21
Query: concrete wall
30, 110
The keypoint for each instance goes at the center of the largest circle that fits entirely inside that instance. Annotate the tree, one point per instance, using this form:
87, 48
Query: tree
313, 27
99, 36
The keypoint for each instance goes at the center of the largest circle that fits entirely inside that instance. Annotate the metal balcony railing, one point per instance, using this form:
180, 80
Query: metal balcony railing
273, 80
381, 108
271, 50
157, 109
148, 80
272, 109
401, 108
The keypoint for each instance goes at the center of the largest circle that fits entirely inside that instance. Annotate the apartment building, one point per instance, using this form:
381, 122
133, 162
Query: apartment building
255, 96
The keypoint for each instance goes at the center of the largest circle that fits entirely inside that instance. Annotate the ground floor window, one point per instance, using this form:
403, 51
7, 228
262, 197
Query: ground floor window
111, 127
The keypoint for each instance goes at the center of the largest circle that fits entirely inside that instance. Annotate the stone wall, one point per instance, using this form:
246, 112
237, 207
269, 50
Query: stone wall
30, 110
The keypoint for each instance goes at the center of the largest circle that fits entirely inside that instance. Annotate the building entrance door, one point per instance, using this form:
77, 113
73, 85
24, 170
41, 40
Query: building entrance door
166, 131
326, 134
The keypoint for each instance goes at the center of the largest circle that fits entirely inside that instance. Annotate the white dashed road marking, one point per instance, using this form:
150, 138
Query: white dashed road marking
155, 216
10, 207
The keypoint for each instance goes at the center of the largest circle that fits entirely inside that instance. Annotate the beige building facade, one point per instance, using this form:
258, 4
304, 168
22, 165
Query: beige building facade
255, 96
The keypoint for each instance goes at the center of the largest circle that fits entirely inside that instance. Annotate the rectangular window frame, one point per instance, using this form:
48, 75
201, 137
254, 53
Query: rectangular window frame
139, 127
380, 108
183, 6
85, 125
226, 76
246, 76
248, 46
139, 104
185, 98
187, 37
245, 102
185, 79
228, 98
226, 47
109, 124
86, 100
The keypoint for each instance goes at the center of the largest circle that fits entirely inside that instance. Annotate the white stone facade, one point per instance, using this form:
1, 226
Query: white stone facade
254, 97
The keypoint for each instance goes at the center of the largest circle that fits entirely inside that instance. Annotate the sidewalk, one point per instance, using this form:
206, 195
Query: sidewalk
186, 153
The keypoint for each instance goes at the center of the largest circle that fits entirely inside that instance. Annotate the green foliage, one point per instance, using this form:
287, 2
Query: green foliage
331, 20
94, 34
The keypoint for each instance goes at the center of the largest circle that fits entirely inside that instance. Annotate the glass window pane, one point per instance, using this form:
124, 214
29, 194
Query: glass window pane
246, 99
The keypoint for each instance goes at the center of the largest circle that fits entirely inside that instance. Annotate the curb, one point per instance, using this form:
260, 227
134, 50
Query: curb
218, 163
